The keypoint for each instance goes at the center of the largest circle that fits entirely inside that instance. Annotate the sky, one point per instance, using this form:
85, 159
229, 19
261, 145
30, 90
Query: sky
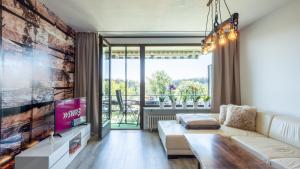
176, 68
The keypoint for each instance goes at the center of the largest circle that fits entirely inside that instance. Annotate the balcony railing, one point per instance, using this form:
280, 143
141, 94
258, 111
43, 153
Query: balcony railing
134, 101
150, 101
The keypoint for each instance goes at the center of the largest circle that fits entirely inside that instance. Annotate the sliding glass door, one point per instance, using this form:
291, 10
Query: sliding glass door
125, 87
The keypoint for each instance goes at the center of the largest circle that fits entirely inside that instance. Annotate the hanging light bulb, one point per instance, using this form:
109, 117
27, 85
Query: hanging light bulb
222, 38
213, 42
232, 34
204, 50
208, 44
212, 46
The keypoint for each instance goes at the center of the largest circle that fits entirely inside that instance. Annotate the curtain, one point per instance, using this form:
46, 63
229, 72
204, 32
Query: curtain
87, 75
226, 75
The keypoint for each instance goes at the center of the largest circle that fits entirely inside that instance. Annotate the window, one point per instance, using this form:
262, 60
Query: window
181, 66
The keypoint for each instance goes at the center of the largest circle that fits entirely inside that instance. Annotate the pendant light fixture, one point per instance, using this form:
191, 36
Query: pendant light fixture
222, 31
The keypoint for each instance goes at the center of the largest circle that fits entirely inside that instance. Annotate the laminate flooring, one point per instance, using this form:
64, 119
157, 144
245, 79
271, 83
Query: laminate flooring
129, 149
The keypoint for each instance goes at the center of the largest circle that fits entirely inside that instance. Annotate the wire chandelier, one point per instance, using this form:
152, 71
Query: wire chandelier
222, 31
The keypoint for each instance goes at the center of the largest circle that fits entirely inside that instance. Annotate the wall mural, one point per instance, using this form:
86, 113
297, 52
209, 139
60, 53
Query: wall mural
37, 68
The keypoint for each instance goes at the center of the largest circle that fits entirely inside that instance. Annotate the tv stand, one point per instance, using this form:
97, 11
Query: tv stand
59, 155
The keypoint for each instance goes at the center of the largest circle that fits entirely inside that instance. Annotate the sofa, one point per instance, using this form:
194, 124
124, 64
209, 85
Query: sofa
276, 139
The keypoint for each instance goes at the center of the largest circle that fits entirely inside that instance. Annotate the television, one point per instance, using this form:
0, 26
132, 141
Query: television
69, 113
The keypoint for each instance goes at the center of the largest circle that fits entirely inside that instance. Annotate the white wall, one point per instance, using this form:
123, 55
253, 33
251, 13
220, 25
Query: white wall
270, 61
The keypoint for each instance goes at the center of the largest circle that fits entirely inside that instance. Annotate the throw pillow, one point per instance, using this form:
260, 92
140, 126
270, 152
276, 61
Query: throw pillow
223, 112
241, 117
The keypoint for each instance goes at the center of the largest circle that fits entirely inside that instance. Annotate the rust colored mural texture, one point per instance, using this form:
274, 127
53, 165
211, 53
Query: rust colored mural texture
37, 68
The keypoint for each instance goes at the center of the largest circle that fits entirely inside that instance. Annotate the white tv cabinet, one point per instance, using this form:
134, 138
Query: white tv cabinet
45, 155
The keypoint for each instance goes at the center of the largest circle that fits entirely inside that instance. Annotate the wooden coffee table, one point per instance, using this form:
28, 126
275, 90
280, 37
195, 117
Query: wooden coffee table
215, 151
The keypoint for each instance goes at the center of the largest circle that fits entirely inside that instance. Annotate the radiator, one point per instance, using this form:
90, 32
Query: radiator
153, 120
151, 115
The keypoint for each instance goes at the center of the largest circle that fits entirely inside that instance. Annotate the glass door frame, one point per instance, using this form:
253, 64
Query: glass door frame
142, 80
104, 127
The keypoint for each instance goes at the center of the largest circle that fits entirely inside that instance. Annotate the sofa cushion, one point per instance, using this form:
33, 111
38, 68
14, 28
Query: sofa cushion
286, 129
230, 131
267, 148
213, 115
241, 117
263, 122
199, 122
286, 163
223, 112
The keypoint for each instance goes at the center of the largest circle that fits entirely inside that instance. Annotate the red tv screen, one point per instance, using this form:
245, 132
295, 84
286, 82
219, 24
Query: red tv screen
69, 113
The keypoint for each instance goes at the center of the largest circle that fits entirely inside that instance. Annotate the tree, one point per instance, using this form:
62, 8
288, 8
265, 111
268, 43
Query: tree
117, 84
158, 82
192, 90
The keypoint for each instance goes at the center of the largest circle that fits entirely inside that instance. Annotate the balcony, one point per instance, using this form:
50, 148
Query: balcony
120, 120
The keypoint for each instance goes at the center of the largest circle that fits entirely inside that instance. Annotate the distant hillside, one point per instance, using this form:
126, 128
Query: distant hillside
202, 80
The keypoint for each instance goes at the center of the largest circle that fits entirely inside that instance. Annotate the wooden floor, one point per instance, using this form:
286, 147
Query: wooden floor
129, 149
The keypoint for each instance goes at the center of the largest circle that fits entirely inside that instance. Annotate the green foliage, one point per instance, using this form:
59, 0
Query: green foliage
191, 90
105, 87
162, 98
172, 98
117, 85
195, 98
158, 82
184, 98
133, 88
183, 91
206, 98
197, 91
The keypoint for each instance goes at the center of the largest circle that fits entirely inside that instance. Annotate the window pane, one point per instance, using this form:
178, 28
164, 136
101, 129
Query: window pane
182, 66
133, 73
125, 77
105, 86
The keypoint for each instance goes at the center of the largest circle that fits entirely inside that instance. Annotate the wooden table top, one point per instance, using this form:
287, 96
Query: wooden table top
215, 151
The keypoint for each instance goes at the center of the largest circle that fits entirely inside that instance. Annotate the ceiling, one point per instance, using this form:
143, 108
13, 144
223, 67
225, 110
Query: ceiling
151, 17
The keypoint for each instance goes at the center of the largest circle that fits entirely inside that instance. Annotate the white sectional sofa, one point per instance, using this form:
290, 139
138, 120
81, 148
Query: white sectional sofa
275, 141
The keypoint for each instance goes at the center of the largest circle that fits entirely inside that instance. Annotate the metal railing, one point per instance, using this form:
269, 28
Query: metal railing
150, 100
